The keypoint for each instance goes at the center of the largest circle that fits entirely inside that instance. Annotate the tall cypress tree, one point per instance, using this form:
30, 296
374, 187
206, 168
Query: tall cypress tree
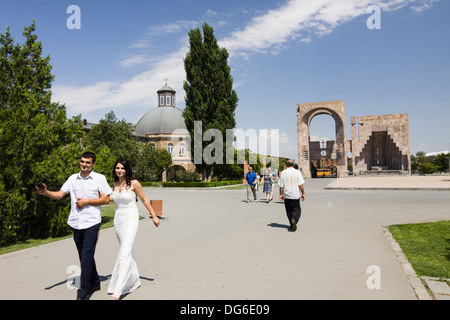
210, 97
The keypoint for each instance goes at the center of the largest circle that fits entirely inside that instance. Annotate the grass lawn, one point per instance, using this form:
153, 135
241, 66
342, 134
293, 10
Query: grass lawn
427, 247
107, 222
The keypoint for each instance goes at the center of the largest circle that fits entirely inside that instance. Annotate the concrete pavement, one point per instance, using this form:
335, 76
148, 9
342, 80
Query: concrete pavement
213, 245
397, 182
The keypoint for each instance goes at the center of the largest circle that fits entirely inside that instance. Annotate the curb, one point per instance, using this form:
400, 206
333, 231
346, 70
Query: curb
419, 289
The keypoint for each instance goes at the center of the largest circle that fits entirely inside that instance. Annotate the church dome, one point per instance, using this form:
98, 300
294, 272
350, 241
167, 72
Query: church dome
161, 120
164, 119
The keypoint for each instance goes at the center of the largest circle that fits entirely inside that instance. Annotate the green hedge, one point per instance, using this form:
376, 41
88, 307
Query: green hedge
200, 184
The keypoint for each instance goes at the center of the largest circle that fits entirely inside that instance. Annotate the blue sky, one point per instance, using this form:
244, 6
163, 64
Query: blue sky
281, 53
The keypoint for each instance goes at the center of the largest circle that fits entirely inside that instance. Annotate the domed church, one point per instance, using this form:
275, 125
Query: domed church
164, 127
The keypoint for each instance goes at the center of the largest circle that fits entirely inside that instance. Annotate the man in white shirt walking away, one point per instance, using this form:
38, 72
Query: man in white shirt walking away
291, 184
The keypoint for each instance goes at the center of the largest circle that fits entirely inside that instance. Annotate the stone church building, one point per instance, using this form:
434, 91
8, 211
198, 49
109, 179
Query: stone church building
164, 127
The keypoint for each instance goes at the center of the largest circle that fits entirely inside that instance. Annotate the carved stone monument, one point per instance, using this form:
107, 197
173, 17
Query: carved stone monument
379, 144
305, 113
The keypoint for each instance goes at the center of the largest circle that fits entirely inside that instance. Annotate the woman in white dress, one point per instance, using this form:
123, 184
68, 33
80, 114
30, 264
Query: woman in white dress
125, 276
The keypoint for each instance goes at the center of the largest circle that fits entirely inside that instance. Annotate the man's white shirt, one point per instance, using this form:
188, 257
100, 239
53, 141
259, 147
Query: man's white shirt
87, 188
290, 180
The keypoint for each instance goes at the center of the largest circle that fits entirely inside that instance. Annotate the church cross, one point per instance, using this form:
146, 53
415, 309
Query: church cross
357, 124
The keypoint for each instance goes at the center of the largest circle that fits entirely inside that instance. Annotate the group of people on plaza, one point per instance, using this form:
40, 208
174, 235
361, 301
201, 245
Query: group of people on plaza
90, 190
290, 183
253, 180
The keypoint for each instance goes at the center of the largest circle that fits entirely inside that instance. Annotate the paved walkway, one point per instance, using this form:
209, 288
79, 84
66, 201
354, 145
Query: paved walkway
429, 183
213, 245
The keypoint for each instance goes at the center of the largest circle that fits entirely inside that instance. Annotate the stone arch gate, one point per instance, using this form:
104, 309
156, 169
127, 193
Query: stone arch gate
305, 113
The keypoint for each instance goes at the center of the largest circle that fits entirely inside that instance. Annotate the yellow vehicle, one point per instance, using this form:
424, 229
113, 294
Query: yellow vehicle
323, 173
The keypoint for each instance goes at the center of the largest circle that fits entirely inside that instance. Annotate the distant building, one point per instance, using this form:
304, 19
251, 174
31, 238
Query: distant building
434, 154
164, 127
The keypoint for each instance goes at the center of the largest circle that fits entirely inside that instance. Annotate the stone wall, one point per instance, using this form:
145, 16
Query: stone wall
381, 143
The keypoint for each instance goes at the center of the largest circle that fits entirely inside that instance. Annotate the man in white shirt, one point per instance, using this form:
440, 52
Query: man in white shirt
88, 191
291, 184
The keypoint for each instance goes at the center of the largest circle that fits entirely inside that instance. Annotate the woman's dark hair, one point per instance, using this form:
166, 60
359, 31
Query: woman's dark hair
129, 172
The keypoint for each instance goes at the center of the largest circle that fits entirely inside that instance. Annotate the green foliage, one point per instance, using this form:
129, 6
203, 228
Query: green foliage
442, 161
105, 162
151, 163
200, 184
428, 165
210, 97
112, 139
116, 135
187, 176
235, 170
39, 143
37, 140
427, 168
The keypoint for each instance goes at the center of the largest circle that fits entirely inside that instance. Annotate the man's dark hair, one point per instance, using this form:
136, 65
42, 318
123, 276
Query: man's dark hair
88, 155
290, 163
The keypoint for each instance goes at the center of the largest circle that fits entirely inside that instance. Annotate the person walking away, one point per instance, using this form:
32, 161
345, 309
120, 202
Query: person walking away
291, 184
88, 191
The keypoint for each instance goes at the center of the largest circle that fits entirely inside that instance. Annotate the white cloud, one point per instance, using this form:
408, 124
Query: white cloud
270, 32
424, 5
298, 19
175, 27
139, 91
211, 13
163, 29
134, 60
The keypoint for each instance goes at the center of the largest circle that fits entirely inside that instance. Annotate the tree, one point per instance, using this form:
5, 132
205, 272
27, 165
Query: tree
151, 163
116, 135
37, 141
418, 160
427, 165
442, 161
210, 97
113, 139
235, 170
110, 140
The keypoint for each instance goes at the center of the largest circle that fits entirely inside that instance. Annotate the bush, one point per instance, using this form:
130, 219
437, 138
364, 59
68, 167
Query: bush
200, 184
187, 176
428, 168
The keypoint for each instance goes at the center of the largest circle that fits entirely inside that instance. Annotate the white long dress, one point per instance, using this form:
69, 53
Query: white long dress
125, 276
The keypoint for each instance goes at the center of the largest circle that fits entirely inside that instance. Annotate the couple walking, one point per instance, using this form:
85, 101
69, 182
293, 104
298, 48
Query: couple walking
88, 191
253, 180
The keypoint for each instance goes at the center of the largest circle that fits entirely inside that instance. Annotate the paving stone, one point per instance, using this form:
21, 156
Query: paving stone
439, 287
